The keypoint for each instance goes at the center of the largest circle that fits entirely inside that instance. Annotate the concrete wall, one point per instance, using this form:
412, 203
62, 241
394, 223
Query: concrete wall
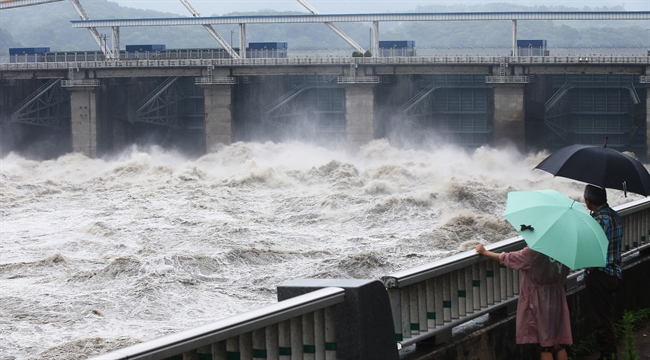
84, 121
218, 115
509, 116
359, 115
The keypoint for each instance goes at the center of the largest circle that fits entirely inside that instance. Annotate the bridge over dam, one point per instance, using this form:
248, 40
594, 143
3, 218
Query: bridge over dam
198, 99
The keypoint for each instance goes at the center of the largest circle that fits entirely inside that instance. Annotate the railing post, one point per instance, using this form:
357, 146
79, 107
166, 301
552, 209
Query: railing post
446, 298
490, 282
396, 305
219, 351
496, 271
308, 343
422, 306
296, 339
469, 291
476, 288
284, 340
453, 289
503, 276
271, 341
246, 345
330, 333
431, 304
191, 355
232, 348
483, 287
259, 344
414, 322
509, 283
319, 334
462, 293
405, 312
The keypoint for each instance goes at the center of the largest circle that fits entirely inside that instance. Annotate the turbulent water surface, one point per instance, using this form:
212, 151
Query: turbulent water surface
98, 254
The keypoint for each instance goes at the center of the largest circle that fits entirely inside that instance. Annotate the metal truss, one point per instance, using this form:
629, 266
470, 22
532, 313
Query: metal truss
421, 106
284, 112
8, 4
162, 106
338, 31
99, 38
555, 111
48, 106
416, 105
280, 112
328, 19
370, 18
213, 32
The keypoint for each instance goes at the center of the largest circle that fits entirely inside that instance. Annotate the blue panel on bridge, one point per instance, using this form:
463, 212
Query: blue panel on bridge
28, 50
408, 44
141, 48
268, 45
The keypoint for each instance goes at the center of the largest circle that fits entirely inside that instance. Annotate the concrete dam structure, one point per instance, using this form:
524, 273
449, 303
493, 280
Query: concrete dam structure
530, 102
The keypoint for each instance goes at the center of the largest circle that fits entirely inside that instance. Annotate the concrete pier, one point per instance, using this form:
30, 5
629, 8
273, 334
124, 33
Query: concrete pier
359, 115
84, 120
218, 115
509, 116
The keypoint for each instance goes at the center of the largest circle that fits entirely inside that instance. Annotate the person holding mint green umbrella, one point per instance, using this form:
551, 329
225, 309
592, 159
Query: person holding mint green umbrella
542, 310
560, 235
603, 282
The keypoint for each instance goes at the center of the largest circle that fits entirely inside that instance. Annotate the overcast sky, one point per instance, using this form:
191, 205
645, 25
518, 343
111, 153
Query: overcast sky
210, 7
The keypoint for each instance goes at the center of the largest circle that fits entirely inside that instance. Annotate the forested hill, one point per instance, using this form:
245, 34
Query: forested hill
49, 25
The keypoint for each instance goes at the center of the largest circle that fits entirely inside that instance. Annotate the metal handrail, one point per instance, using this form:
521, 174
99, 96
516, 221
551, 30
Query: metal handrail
431, 299
231, 328
508, 79
330, 60
80, 83
357, 79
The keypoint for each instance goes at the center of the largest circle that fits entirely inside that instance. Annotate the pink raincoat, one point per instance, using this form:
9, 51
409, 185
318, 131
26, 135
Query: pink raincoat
542, 311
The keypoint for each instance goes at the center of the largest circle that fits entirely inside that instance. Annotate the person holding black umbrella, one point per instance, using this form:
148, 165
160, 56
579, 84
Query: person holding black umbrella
602, 283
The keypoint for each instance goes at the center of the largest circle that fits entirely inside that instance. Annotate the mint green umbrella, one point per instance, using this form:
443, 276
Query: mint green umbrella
558, 227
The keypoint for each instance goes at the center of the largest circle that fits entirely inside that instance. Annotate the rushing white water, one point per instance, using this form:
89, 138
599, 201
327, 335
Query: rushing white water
98, 254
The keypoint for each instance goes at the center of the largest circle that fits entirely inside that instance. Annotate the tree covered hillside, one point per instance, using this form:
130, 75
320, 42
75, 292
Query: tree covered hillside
49, 26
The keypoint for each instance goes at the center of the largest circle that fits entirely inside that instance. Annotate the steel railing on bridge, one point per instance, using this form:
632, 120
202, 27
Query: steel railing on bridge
318, 61
297, 328
430, 300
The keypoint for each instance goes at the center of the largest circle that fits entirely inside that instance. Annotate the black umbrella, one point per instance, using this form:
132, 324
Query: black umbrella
600, 166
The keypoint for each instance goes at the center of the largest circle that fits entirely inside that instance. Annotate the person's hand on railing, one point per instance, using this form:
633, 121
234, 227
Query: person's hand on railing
481, 250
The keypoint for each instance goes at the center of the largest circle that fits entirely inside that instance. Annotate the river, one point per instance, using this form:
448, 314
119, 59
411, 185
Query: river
98, 254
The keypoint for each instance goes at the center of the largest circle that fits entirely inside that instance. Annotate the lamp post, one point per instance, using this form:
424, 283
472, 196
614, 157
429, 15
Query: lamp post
231, 33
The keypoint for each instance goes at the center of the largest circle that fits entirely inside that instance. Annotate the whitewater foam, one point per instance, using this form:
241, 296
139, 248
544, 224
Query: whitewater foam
99, 254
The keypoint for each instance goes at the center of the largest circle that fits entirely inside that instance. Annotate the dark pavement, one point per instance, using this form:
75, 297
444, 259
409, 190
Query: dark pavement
642, 339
